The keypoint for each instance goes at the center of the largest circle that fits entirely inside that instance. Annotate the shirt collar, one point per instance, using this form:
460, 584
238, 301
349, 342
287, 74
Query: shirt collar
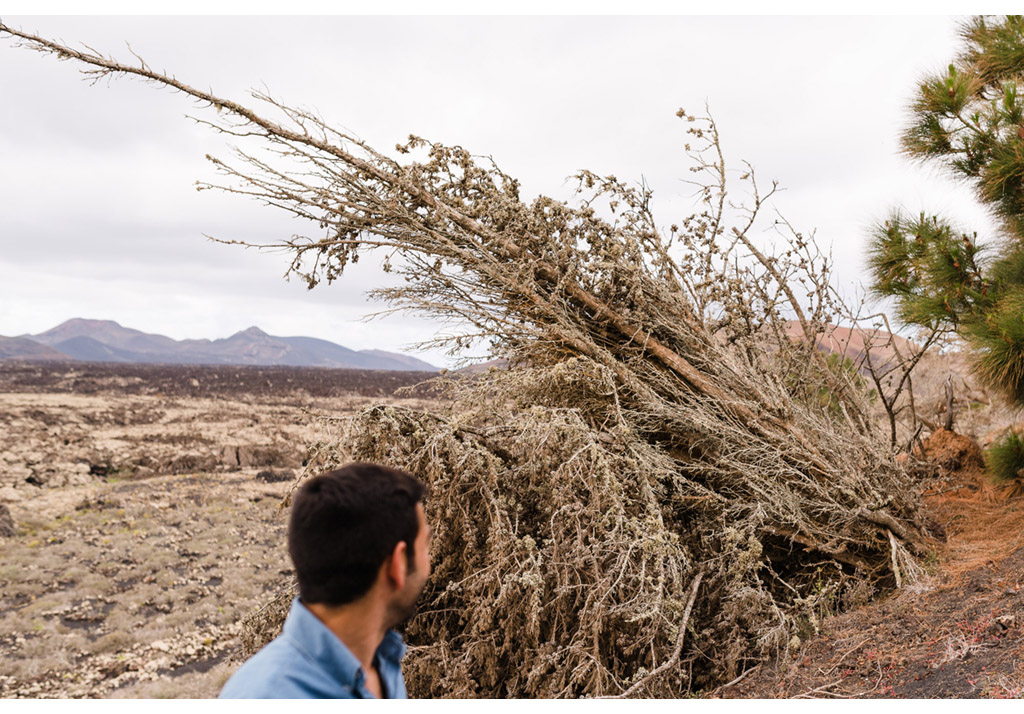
392, 648
305, 631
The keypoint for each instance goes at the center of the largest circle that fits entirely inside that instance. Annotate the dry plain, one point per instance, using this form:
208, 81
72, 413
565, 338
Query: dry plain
144, 516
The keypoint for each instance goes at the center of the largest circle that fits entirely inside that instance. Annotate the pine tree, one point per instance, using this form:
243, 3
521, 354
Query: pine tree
970, 120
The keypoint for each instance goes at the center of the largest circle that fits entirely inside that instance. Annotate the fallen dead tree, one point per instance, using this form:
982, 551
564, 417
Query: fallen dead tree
654, 495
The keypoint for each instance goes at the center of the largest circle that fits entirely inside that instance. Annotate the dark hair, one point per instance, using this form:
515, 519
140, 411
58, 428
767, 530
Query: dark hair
345, 523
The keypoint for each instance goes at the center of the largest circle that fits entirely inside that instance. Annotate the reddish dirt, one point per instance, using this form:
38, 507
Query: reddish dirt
951, 452
956, 633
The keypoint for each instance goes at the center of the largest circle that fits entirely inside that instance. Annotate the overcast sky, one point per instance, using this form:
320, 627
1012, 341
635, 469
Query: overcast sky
99, 216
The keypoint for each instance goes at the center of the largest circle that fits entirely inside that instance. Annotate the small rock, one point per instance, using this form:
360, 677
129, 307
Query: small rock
17, 474
78, 480
228, 455
52, 477
244, 456
1007, 621
7, 528
100, 503
10, 494
271, 476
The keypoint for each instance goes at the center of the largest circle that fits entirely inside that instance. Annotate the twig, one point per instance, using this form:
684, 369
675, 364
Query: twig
845, 655
948, 490
674, 659
817, 690
735, 681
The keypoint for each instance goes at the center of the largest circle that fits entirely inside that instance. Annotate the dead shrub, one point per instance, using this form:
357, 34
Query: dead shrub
564, 554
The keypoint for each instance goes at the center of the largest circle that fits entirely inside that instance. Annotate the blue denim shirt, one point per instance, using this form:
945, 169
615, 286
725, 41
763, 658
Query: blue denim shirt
308, 661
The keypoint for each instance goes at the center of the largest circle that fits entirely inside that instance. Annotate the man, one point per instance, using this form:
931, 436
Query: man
359, 540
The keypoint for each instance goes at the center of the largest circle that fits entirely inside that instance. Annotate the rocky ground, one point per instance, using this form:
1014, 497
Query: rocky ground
140, 519
66, 425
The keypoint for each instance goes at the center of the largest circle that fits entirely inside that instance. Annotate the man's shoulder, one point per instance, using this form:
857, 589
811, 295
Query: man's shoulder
282, 671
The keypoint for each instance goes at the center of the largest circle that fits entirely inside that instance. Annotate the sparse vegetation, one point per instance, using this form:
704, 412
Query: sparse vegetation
1005, 458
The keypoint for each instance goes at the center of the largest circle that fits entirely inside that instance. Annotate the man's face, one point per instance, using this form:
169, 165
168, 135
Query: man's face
419, 571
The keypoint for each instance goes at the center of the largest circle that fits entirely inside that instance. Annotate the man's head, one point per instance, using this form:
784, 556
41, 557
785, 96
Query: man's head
351, 527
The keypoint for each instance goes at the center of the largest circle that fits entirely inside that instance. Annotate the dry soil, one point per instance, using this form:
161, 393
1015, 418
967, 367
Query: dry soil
146, 520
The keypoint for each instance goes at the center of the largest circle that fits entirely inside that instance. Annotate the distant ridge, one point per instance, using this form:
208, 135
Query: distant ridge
90, 350
107, 341
858, 344
24, 348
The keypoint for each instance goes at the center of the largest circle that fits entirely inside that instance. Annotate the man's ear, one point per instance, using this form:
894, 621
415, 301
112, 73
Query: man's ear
398, 565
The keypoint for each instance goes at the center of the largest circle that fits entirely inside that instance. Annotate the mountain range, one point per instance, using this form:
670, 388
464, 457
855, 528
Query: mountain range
107, 341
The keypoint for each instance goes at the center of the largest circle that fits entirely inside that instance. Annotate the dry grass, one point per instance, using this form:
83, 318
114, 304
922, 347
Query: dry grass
995, 530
